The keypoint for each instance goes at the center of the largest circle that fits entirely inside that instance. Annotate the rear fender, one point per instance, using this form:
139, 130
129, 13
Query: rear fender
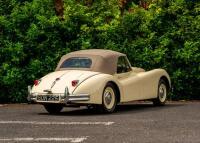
94, 86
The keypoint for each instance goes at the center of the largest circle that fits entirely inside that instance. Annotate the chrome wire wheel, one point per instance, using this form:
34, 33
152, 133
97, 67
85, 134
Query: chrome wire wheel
109, 98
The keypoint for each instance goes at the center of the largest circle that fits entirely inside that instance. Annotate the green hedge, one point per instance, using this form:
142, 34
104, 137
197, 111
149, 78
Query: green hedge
32, 40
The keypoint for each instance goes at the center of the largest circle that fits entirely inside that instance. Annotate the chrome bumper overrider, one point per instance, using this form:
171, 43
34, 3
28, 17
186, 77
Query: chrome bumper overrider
62, 98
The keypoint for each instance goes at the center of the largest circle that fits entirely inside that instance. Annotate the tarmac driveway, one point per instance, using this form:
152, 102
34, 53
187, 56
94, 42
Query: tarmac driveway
139, 122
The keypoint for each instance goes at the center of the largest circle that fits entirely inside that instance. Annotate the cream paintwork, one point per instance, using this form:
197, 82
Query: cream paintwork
137, 84
140, 85
94, 87
65, 80
134, 85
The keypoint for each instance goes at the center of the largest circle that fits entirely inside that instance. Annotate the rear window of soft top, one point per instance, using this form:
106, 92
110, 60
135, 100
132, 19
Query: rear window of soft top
77, 62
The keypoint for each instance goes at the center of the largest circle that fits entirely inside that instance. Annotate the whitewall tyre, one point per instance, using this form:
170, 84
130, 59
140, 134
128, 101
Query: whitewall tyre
161, 93
109, 100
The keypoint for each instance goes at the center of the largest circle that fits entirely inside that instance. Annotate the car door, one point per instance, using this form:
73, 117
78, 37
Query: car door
128, 80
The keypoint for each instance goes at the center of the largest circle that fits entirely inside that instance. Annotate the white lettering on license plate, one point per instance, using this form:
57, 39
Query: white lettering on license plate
47, 98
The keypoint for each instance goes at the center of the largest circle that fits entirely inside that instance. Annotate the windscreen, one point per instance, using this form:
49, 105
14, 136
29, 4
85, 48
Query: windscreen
77, 62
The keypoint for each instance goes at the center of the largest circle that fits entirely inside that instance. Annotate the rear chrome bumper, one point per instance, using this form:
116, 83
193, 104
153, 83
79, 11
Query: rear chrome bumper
79, 97
63, 98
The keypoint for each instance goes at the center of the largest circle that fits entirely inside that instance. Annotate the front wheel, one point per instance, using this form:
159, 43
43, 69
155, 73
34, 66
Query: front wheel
109, 100
53, 108
161, 94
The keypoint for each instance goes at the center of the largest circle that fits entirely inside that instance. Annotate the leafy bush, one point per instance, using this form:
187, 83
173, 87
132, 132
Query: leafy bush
32, 40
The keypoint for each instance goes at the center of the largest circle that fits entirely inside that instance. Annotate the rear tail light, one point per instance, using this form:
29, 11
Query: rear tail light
74, 82
36, 82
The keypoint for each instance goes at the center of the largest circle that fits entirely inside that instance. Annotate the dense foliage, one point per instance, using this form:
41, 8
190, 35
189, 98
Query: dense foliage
33, 38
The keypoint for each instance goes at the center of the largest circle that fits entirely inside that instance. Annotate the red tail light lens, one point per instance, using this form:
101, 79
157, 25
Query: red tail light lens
74, 82
36, 82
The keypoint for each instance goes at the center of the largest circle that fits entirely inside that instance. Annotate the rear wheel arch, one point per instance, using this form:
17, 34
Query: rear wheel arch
117, 90
166, 81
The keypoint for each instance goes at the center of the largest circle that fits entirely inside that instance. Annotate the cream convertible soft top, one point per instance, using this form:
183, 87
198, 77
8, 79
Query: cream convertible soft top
104, 61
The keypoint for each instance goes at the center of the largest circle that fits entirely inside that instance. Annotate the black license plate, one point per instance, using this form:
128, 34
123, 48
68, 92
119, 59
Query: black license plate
48, 98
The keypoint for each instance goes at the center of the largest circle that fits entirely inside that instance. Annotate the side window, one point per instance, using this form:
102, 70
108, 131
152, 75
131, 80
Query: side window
123, 65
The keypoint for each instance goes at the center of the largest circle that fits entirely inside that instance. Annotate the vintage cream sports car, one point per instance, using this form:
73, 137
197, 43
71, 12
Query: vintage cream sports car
98, 78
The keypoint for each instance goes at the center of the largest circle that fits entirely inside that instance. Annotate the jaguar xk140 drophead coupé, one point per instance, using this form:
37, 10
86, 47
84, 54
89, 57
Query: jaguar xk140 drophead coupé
98, 78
